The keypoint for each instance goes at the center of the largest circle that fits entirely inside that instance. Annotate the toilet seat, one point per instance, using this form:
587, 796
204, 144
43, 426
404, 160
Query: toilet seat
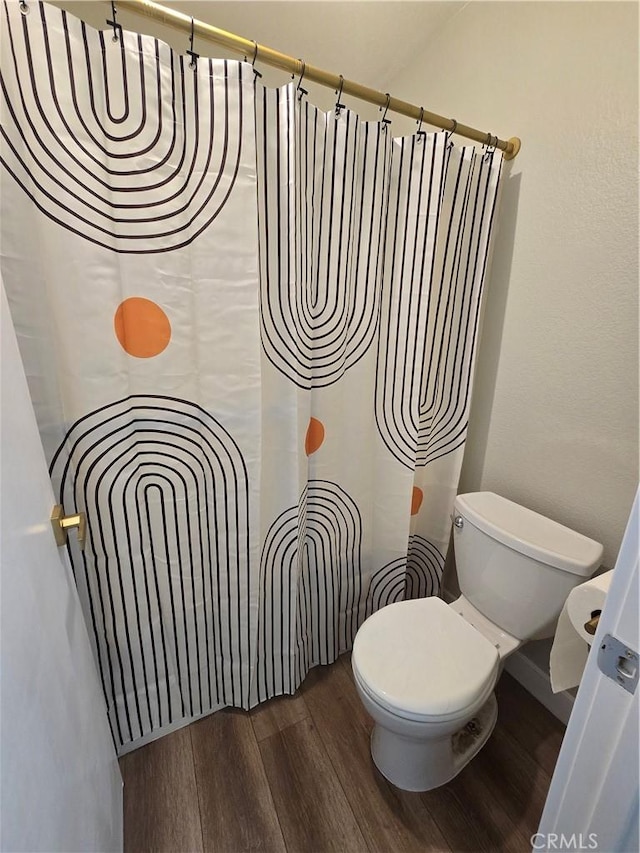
420, 660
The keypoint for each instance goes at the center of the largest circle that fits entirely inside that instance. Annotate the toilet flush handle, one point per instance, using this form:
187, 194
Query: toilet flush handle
458, 521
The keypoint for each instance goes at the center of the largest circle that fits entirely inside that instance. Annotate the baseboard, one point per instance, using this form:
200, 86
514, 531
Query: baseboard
538, 683
161, 732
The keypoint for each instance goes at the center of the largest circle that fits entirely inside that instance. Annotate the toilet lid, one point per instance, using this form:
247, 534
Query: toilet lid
419, 658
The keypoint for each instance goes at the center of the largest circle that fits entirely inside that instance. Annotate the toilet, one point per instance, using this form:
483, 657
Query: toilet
426, 671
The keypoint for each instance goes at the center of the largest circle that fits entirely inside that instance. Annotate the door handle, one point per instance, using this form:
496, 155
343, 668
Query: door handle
62, 523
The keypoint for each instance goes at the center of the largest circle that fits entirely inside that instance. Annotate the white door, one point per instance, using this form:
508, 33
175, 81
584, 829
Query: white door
60, 785
593, 798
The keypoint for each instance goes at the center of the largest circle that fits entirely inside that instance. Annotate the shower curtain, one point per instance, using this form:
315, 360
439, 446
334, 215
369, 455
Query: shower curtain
249, 329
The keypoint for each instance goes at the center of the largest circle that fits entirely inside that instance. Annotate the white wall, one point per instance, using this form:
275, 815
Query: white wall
360, 40
554, 422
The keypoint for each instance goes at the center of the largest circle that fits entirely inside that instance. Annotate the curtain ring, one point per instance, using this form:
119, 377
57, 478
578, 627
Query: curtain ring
451, 132
299, 88
24, 7
339, 106
194, 56
384, 118
420, 132
491, 144
116, 26
253, 61
491, 141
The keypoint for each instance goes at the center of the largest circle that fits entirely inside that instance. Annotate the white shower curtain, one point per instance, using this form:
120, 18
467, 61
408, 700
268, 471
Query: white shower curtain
249, 329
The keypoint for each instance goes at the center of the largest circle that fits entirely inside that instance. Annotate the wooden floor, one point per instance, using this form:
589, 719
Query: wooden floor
295, 774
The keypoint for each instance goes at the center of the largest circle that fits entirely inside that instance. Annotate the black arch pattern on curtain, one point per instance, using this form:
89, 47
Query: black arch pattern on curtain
309, 595
322, 183
153, 161
452, 331
417, 575
441, 211
166, 565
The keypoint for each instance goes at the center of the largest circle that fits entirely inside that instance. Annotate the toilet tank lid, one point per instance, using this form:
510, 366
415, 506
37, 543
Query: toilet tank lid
530, 533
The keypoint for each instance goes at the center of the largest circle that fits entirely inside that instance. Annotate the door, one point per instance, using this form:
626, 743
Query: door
60, 785
593, 798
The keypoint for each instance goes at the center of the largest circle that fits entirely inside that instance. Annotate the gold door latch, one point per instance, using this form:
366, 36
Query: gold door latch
62, 523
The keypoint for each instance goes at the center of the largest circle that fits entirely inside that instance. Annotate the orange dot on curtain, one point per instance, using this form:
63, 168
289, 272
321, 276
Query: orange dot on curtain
416, 500
142, 327
314, 437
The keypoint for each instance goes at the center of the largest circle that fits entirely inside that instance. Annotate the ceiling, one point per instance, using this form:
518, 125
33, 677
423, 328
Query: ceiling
369, 41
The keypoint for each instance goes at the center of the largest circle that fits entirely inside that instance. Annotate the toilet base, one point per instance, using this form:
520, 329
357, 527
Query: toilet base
420, 765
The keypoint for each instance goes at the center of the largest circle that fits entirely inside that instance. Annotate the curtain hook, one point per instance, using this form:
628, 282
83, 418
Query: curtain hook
384, 120
116, 26
193, 65
421, 132
253, 61
24, 7
339, 106
451, 132
299, 88
491, 143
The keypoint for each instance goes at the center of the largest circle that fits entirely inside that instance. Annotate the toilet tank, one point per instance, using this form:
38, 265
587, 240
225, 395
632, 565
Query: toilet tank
516, 566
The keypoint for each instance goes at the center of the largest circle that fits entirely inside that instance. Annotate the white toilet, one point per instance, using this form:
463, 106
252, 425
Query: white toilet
426, 670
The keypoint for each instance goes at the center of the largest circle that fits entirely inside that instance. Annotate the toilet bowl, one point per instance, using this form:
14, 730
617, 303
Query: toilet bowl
423, 673
426, 671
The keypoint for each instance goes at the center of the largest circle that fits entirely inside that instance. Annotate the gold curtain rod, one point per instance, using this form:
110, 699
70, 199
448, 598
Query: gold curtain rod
268, 56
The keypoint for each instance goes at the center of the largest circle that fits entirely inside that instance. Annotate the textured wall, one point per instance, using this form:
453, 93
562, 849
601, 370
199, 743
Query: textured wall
555, 415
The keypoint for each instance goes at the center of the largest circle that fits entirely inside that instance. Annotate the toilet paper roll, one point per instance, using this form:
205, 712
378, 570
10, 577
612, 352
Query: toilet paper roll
570, 645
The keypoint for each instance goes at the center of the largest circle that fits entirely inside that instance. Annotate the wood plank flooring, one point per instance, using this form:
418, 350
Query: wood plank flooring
295, 775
